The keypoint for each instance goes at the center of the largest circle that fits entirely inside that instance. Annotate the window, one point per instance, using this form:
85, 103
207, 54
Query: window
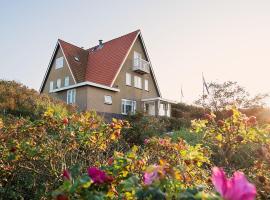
137, 58
108, 99
128, 79
71, 96
51, 86
59, 63
66, 81
58, 83
137, 82
128, 106
162, 108
146, 85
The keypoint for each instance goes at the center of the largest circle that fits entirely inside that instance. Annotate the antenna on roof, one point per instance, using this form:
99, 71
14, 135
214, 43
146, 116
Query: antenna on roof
100, 45
100, 42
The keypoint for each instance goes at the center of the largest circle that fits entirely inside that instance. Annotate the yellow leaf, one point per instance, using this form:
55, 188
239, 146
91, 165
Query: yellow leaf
1, 123
125, 173
219, 137
113, 136
87, 185
103, 146
135, 148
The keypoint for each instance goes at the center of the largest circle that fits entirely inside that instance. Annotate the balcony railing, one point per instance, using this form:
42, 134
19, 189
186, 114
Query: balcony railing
141, 66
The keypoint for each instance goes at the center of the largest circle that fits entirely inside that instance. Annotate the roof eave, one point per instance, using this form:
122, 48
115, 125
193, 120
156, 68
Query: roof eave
160, 99
87, 83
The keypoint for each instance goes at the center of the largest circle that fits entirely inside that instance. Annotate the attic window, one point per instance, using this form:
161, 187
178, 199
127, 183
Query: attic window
76, 58
59, 63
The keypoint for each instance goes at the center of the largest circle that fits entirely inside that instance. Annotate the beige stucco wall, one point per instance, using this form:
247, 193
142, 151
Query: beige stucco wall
81, 97
95, 100
55, 74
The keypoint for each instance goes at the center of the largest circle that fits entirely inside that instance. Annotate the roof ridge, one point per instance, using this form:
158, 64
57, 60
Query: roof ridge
60, 40
138, 30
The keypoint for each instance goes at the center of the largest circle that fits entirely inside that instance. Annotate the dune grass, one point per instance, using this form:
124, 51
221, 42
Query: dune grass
189, 136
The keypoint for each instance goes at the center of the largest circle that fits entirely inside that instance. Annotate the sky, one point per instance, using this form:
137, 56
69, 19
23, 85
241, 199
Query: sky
226, 40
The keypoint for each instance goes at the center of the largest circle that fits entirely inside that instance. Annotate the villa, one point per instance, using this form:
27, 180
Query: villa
113, 77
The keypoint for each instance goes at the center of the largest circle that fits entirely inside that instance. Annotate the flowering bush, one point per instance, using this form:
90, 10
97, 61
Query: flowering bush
226, 137
47, 150
126, 178
34, 153
192, 160
238, 143
18, 100
158, 182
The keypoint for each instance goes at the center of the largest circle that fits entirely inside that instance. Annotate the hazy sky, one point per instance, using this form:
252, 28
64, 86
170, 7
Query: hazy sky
227, 40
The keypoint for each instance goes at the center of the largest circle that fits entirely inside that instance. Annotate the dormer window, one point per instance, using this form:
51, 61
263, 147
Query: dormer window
76, 58
59, 63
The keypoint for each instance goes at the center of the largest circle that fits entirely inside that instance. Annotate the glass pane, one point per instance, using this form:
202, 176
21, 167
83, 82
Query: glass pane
128, 108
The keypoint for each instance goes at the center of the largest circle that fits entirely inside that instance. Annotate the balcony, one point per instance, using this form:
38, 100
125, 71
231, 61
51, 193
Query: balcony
141, 66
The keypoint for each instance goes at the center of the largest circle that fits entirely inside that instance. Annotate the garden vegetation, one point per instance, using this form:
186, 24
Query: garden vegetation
50, 151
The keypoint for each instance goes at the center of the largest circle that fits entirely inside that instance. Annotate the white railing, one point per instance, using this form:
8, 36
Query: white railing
141, 65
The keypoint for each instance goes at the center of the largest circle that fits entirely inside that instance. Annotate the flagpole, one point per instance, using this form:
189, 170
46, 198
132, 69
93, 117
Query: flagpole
181, 94
203, 90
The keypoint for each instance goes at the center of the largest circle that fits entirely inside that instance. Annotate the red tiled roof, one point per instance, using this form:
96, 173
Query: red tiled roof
98, 65
78, 68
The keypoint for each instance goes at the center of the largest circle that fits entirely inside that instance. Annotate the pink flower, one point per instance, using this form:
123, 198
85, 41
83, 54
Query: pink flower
149, 177
146, 141
153, 172
98, 176
235, 188
66, 175
162, 141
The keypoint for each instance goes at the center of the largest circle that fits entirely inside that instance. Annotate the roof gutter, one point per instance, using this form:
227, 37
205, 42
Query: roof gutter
87, 83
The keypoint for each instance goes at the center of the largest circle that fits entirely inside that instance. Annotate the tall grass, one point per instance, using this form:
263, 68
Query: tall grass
189, 136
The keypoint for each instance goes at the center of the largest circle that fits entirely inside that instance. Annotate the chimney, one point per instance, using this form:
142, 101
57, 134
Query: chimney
100, 43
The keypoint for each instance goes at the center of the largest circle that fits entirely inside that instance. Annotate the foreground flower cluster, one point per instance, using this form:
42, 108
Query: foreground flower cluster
158, 182
235, 188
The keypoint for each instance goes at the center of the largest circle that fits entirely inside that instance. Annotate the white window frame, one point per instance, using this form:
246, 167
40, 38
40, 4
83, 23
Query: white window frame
58, 83
51, 86
66, 82
71, 96
146, 85
59, 62
138, 82
128, 79
131, 103
108, 99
